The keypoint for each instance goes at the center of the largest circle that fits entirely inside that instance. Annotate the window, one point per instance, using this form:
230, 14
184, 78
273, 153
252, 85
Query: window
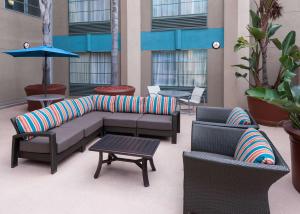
25, 6
163, 8
89, 70
182, 69
89, 11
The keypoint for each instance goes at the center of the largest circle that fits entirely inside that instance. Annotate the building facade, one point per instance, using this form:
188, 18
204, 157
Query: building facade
162, 42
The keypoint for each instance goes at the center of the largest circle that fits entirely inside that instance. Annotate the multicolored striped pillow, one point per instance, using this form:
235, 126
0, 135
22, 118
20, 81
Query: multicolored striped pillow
160, 105
104, 103
84, 105
129, 104
65, 110
238, 117
253, 147
37, 121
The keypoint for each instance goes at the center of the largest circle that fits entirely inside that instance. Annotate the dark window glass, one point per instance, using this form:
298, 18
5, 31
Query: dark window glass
25, 6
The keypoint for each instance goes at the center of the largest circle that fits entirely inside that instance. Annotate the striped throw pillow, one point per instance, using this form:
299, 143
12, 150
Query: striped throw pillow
129, 104
253, 147
160, 105
65, 110
238, 117
84, 105
104, 103
37, 121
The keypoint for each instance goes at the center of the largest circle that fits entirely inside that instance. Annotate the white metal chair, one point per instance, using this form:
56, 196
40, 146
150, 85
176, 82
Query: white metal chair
153, 90
194, 100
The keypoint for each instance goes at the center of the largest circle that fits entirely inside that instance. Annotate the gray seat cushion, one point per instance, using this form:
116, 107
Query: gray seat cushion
65, 138
155, 122
90, 122
126, 120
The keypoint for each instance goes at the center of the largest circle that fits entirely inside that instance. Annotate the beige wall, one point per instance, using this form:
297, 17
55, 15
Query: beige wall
17, 28
60, 27
236, 18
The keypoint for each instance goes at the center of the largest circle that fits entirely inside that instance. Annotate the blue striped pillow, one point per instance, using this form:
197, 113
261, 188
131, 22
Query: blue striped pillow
84, 105
104, 103
238, 117
37, 121
129, 104
65, 110
160, 105
253, 147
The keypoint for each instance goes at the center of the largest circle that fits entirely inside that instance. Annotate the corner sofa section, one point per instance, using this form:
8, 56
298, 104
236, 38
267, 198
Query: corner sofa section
59, 142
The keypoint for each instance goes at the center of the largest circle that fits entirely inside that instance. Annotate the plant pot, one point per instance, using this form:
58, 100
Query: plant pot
265, 113
115, 90
38, 89
295, 153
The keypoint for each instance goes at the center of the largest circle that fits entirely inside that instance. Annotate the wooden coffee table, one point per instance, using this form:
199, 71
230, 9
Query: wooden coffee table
143, 148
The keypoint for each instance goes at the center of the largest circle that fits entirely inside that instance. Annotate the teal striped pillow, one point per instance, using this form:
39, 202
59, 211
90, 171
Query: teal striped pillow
65, 110
37, 121
238, 117
253, 147
84, 105
129, 104
160, 105
104, 103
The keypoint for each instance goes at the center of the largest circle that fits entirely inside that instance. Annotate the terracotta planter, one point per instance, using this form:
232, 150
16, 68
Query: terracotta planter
38, 89
295, 153
115, 90
265, 113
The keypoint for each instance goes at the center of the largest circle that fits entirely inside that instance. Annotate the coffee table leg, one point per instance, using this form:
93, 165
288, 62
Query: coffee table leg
145, 172
99, 165
152, 165
109, 159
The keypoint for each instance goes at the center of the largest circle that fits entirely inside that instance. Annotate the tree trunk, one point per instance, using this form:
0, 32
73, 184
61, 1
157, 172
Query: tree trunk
47, 18
116, 80
264, 54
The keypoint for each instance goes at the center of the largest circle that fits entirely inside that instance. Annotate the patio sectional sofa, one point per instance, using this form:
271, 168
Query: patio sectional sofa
99, 115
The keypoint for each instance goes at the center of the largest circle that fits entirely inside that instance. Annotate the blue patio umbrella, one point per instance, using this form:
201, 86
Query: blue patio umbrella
41, 51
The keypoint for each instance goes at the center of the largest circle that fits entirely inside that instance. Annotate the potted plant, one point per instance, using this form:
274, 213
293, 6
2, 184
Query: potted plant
262, 31
284, 97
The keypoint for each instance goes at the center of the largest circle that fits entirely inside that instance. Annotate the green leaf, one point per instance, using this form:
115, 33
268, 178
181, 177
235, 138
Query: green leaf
255, 19
241, 43
289, 41
257, 33
277, 43
242, 66
272, 29
258, 92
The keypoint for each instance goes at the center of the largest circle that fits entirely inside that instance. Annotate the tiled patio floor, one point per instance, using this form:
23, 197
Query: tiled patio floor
30, 188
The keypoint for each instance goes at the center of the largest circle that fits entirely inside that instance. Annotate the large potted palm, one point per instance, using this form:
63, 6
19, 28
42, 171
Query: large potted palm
262, 31
46, 8
284, 97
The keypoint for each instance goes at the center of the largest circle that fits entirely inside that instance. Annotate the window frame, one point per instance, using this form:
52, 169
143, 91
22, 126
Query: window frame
25, 10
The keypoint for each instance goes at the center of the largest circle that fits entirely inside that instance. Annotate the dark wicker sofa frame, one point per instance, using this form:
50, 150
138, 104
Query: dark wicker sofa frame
216, 183
52, 157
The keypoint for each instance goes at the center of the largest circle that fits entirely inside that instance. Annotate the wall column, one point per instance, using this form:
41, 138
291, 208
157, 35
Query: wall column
236, 18
131, 43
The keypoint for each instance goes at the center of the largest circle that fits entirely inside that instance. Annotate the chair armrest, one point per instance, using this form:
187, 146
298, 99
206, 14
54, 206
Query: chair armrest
215, 139
212, 114
226, 167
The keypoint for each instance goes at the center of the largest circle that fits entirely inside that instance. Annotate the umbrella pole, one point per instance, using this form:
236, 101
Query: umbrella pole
45, 76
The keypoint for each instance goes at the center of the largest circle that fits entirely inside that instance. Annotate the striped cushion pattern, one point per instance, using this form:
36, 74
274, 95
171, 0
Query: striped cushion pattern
238, 117
104, 103
84, 105
160, 105
64, 111
253, 147
129, 104
37, 121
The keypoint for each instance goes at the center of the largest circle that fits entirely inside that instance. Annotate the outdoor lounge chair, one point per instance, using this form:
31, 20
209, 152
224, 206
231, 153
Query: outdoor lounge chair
194, 99
218, 116
153, 90
216, 183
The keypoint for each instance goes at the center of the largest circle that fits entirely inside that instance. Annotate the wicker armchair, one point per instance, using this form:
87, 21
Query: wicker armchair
216, 183
218, 116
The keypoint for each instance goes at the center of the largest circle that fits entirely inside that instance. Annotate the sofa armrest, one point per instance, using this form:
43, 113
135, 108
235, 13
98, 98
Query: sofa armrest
176, 121
215, 139
212, 114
